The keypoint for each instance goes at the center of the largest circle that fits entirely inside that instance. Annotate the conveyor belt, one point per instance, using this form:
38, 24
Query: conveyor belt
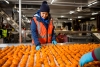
48, 56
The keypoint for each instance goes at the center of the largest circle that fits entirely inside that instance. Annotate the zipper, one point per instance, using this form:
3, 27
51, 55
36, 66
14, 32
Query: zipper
46, 31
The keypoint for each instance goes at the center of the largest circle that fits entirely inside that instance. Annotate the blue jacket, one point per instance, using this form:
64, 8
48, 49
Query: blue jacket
34, 28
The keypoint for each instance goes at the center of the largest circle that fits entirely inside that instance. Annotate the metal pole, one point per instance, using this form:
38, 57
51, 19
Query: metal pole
19, 21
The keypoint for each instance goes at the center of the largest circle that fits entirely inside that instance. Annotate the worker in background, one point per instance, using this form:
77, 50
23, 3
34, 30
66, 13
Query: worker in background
4, 34
90, 56
42, 28
60, 38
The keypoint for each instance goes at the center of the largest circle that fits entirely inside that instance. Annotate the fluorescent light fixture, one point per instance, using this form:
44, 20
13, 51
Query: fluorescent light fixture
94, 2
70, 19
92, 18
8, 18
89, 4
71, 12
79, 8
6, 1
52, 1
62, 16
79, 16
94, 13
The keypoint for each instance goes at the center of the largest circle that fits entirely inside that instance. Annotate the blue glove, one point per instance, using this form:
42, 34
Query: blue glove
85, 59
38, 47
54, 42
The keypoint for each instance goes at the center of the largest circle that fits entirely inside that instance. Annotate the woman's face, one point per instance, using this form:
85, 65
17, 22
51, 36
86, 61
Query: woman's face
44, 15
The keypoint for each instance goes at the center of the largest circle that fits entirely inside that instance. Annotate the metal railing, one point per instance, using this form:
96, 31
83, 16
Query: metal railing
11, 21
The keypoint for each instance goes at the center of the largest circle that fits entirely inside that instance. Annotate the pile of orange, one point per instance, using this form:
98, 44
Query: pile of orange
48, 56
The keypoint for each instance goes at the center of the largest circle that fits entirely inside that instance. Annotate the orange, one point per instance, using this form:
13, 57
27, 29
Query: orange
38, 65
13, 65
5, 65
52, 64
46, 65
30, 65
22, 65
62, 65
15, 61
9, 62
75, 62
74, 65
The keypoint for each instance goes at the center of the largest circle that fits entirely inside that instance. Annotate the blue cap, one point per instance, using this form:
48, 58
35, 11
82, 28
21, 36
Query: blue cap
44, 7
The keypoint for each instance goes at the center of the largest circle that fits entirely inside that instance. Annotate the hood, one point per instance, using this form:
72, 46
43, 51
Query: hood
37, 14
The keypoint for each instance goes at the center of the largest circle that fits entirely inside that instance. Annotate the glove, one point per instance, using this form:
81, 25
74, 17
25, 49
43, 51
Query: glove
85, 59
54, 42
38, 47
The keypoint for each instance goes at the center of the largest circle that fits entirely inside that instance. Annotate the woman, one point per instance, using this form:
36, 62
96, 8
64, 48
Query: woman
42, 27
89, 57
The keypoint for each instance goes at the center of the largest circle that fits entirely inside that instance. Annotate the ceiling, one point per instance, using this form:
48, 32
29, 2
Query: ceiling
59, 9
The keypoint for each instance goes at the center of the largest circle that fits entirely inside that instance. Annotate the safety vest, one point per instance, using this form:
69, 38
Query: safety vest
4, 33
44, 35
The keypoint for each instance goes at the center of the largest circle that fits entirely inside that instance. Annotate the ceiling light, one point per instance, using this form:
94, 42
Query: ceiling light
89, 4
79, 8
94, 13
71, 12
62, 16
6, 1
92, 18
70, 19
8, 18
52, 1
94, 2
79, 16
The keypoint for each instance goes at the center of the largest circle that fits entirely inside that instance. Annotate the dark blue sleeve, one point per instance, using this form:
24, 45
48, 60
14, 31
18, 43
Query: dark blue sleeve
53, 35
34, 33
